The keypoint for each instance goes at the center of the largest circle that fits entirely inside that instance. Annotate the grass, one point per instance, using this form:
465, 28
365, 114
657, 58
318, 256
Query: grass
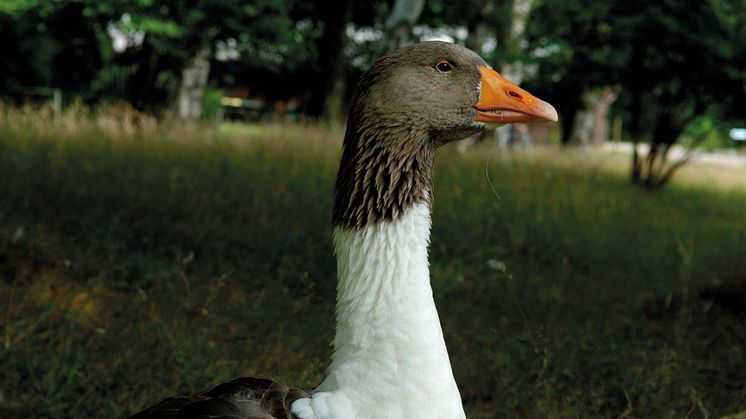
140, 260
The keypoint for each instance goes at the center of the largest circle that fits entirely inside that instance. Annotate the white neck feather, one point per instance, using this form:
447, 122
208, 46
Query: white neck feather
390, 359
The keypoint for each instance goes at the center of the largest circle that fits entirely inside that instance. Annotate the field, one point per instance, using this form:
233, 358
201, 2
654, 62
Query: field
140, 260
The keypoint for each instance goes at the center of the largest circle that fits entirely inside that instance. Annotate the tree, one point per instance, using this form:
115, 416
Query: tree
325, 99
673, 61
184, 37
512, 50
171, 50
400, 22
50, 44
571, 43
683, 64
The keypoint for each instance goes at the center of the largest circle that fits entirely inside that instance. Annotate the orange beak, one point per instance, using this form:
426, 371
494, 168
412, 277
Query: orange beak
502, 102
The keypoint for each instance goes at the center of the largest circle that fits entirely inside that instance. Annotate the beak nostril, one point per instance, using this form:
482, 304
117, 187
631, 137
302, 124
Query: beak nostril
515, 94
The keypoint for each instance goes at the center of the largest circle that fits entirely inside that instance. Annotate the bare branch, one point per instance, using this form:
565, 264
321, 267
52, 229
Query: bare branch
682, 161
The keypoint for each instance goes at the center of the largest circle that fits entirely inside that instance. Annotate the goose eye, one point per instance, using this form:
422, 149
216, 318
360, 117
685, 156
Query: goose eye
444, 66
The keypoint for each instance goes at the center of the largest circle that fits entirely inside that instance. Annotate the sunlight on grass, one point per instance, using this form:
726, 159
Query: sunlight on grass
142, 259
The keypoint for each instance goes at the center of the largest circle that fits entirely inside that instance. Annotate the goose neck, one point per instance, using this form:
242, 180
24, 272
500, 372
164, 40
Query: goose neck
390, 358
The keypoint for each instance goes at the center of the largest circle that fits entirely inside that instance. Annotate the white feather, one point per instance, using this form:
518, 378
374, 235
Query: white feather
390, 360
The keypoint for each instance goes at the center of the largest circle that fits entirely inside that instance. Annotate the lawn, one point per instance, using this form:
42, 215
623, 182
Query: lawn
141, 259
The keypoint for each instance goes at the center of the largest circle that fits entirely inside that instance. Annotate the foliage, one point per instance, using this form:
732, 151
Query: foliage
49, 44
142, 259
707, 132
572, 46
175, 31
494, 15
68, 44
674, 61
682, 57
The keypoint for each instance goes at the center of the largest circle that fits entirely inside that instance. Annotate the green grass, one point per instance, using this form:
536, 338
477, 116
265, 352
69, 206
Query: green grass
140, 260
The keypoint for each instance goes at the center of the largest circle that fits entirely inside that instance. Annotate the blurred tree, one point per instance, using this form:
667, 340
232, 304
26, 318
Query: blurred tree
180, 39
487, 23
49, 44
166, 59
669, 61
400, 22
513, 48
479, 25
572, 46
328, 92
684, 62
278, 57
673, 61
15, 70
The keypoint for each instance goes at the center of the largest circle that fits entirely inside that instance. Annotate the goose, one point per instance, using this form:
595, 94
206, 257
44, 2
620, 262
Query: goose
389, 357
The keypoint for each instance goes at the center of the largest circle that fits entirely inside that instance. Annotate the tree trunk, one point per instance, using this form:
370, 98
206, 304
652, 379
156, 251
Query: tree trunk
568, 124
655, 171
568, 105
334, 103
192, 85
592, 121
478, 30
514, 70
138, 87
583, 123
400, 22
636, 112
600, 133
331, 47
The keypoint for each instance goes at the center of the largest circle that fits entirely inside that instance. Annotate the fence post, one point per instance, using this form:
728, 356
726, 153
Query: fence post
617, 135
57, 103
220, 116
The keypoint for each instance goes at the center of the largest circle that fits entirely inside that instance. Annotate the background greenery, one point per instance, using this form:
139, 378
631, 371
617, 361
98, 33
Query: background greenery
671, 61
140, 260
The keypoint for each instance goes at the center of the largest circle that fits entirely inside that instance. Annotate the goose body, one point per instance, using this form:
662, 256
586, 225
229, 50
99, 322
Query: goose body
390, 359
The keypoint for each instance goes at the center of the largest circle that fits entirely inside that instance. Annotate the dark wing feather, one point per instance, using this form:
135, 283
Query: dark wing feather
242, 398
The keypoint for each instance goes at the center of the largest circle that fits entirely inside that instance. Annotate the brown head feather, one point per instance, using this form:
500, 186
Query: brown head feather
402, 110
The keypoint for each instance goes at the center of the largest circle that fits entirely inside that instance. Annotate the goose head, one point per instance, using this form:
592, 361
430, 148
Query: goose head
444, 90
404, 107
